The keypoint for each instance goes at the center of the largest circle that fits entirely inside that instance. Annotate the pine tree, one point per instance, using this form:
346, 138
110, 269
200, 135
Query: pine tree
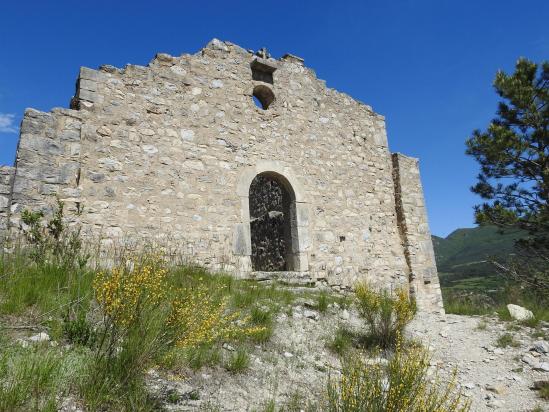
513, 154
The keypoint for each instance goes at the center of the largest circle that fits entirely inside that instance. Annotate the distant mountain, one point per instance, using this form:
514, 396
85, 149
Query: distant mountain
464, 253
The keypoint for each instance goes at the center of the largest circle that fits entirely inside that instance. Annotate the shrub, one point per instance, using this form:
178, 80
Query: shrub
341, 342
52, 240
506, 340
238, 361
199, 317
386, 314
133, 335
78, 330
400, 386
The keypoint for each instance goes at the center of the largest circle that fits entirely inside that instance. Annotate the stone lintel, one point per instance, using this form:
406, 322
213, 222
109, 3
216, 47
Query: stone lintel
263, 65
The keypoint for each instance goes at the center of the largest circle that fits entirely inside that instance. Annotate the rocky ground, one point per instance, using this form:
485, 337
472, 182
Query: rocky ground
291, 370
492, 377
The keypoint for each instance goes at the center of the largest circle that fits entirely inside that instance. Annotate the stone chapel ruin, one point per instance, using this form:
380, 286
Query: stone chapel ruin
298, 185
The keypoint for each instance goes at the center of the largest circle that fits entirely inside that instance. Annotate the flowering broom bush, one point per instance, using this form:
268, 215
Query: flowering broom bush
385, 313
400, 386
201, 318
144, 319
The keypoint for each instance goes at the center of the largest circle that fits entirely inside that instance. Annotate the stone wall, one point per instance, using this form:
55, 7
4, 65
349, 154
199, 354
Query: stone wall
6, 181
168, 152
47, 162
416, 236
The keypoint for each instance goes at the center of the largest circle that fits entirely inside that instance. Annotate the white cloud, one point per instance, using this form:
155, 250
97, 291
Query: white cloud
6, 123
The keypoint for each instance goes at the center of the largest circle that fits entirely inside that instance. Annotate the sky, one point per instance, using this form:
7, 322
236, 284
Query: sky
427, 66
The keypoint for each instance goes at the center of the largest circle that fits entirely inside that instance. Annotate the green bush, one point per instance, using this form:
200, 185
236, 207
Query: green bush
386, 314
77, 330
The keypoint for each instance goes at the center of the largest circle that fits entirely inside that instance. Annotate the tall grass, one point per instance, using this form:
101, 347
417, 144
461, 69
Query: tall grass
34, 378
39, 288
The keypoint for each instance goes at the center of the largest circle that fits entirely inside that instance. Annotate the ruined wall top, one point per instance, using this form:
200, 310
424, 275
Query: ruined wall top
282, 85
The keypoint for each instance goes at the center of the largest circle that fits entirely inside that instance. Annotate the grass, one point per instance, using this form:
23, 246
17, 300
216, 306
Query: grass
506, 340
322, 302
120, 323
341, 342
478, 301
58, 297
33, 377
238, 362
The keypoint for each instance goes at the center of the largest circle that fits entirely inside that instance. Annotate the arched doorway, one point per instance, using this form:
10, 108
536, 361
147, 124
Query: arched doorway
272, 223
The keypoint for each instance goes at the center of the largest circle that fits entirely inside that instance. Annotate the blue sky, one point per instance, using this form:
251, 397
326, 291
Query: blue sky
427, 66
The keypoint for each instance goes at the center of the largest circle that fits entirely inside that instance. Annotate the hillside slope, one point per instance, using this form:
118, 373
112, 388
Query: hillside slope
464, 253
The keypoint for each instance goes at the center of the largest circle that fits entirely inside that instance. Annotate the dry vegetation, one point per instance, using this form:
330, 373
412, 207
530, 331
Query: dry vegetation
108, 327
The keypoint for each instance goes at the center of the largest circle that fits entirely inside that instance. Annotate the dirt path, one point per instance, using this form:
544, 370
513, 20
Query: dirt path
492, 377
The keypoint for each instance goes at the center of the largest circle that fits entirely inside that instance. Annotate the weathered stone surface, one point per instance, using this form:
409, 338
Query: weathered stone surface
6, 180
519, 313
414, 229
170, 151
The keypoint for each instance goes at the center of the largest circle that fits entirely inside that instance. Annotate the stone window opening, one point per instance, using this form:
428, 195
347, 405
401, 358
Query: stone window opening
263, 96
272, 223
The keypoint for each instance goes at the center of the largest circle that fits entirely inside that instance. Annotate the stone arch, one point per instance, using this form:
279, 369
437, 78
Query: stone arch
297, 208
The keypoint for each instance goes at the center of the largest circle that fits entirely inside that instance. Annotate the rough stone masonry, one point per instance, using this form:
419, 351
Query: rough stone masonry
169, 152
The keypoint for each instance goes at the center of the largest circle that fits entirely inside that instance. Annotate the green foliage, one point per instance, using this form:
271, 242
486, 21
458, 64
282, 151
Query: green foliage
41, 287
322, 302
77, 330
270, 406
401, 386
260, 316
341, 342
59, 296
238, 361
479, 301
204, 355
514, 157
34, 378
506, 340
51, 240
466, 252
386, 314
